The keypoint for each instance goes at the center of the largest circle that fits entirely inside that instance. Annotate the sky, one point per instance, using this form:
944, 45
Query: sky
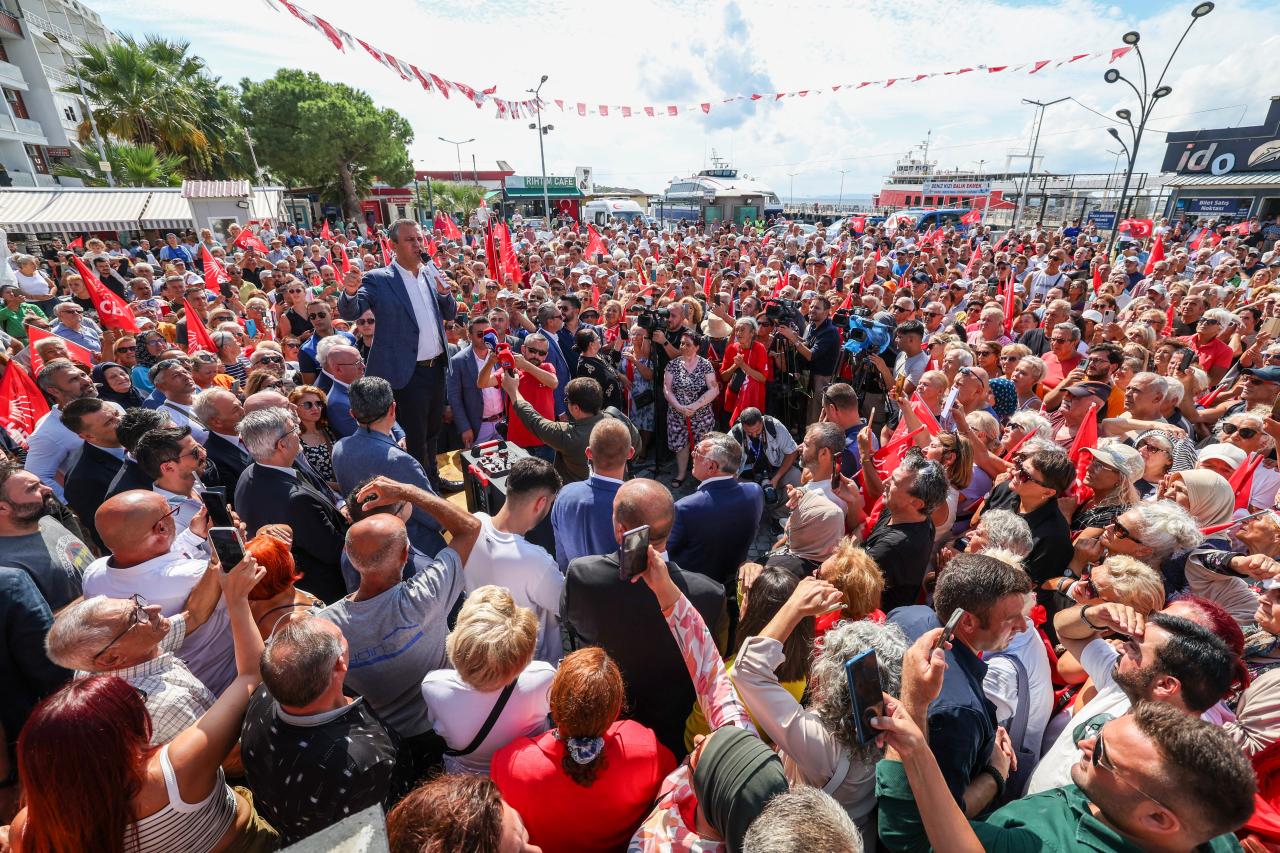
684, 52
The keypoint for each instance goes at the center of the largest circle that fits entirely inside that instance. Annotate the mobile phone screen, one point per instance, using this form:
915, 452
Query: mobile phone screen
228, 545
633, 556
215, 500
865, 694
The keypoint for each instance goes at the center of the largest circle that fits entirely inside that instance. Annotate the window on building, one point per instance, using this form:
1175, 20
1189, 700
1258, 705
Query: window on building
14, 97
38, 161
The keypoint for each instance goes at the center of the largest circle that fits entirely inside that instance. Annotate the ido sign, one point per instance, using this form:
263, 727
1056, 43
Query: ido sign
1228, 149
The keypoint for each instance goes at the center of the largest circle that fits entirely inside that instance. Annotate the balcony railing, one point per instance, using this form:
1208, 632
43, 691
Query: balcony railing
58, 76
12, 75
43, 26
29, 127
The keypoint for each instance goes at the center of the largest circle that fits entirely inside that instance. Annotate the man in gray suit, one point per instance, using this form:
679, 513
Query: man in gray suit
476, 411
371, 451
410, 301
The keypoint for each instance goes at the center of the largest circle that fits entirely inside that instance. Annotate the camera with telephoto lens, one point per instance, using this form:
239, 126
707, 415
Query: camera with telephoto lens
770, 493
652, 319
865, 335
785, 311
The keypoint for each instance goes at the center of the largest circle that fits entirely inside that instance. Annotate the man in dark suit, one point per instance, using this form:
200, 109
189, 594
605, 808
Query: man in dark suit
582, 515
343, 365
410, 301
598, 608
550, 322
272, 491
101, 456
716, 524
221, 412
134, 424
476, 412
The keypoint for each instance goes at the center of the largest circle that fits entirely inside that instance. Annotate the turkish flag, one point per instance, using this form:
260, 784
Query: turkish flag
595, 243
1138, 227
113, 311
78, 353
858, 224
432, 249
21, 403
215, 274
246, 239
197, 335
1157, 255
325, 233
1086, 439
835, 268
973, 217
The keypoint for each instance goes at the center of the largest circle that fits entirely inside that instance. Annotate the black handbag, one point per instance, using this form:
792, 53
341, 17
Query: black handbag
643, 399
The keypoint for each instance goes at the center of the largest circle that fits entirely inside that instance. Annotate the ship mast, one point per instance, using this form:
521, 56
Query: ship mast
928, 136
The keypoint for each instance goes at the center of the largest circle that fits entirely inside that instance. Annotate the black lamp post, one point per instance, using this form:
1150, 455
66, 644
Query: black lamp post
1146, 105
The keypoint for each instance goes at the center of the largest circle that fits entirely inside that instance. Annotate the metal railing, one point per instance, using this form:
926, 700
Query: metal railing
58, 76
44, 25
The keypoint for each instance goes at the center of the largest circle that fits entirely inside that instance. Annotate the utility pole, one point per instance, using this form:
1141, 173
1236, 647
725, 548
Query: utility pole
1031, 162
840, 203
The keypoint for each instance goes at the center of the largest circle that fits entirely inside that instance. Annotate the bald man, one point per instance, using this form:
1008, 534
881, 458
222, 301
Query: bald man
388, 662
151, 558
598, 608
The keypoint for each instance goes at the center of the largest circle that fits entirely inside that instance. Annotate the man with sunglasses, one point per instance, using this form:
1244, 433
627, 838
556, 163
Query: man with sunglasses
320, 316
1154, 779
1258, 386
1167, 658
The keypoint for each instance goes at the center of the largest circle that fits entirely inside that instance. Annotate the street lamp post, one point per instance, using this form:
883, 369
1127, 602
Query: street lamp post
1031, 163
1146, 105
103, 162
542, 154
792, 176
458, 150
840, 203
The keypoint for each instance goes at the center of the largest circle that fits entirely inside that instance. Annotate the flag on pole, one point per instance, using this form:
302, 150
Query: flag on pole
1086, 439
21, 403
343, 261
491, 255
215, 274
1242, 480
78, 353
246, 239
113, 311
325, 233
595, 243
1157, 255
510, 264
1010, 306
706, 286
77, 243
450, 229
197, 335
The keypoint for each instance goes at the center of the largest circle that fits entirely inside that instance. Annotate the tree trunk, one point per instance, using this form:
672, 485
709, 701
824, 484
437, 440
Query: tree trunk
351, 201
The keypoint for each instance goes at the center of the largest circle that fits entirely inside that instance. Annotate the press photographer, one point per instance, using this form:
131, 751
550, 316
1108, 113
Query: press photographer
768, 457
818, 351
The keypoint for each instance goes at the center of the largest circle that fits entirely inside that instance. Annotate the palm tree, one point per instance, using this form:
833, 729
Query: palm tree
132, 165
453, 197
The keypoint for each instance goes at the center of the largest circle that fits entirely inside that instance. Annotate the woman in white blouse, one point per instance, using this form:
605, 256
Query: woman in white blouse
491, 648
818, 743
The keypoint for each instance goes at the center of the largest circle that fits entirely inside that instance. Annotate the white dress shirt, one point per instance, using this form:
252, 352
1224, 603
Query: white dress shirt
53, 449
422, 297
181, 416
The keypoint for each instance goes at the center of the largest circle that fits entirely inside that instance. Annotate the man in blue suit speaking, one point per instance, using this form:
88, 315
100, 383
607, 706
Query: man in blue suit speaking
410, 300
714, 526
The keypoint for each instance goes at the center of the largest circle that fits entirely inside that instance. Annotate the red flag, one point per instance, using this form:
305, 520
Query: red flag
1008, 457
1243, 228
1137, 227
595, 296
1010, 306
113, 311
510, 264
858, 224
1168, 320
1242, 480
1097, 277
835, 268
973, 217
387, 253
432, 248
706, 286
77, 243
1194, 245
974, 257
450, 229
1157, 254
325, 233
197, 335
246, 239
215, 274
343, 261
78, 353
1086, 439
21, 403
595, 243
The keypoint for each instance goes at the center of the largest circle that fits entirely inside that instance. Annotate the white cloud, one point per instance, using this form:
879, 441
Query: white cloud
684, 52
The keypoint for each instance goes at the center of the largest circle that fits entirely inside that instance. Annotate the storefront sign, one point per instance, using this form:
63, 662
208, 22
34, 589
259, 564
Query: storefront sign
534, 182
967, 188
1217, 206
58, 152
1228, 149
1103, 220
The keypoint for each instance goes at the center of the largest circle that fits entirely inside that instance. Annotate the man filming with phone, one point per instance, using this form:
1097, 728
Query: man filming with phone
962, 727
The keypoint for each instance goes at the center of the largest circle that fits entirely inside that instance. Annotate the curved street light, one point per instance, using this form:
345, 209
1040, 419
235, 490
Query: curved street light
1146, 104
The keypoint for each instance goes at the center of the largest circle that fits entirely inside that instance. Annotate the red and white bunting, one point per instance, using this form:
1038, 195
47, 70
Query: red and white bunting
430, 82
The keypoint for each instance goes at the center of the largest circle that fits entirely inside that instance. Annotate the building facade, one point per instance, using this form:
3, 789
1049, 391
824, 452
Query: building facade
39, 123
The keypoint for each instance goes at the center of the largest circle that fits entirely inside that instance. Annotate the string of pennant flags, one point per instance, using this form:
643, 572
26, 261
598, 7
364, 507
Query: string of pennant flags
519, 109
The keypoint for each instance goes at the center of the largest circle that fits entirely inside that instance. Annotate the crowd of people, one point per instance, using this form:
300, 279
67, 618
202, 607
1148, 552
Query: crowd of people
837, 444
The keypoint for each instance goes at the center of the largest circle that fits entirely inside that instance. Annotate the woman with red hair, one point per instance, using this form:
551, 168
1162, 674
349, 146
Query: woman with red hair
275, 596
586, 784
92, 781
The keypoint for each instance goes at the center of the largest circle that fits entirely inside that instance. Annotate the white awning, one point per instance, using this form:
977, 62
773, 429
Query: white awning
167, 209
79, 209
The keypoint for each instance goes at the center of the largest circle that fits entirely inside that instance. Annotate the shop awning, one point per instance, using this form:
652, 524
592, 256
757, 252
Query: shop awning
552, 192
166, 209
1231, 179
81, 209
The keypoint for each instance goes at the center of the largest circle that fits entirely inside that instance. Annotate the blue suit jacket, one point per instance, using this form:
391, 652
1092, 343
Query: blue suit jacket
557, 356
464, 397
338, 411
365, 454
384, 290
714, 527
582, 518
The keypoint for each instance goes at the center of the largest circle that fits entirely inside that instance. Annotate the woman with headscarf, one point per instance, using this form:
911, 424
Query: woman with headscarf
1209, 499
707, 802
113, 384
151, 344
1005, 395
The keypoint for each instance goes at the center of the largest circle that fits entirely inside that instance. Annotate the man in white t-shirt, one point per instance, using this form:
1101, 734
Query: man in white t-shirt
503, 557
1168, 658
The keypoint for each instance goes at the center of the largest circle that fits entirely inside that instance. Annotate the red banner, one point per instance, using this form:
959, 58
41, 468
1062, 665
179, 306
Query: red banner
21, 403
112, 310
197, 335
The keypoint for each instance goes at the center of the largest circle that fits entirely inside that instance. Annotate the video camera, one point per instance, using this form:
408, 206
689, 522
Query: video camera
866, 335
652, 319
786, 311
